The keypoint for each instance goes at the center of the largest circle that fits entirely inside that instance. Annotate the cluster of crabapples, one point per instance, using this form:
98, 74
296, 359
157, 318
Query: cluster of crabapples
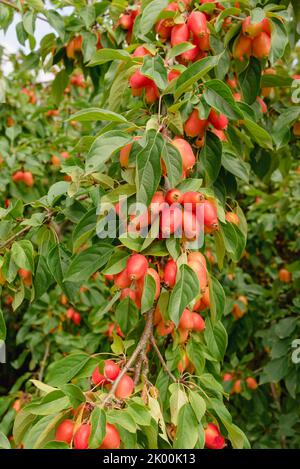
236, 385
78, 435
255, 39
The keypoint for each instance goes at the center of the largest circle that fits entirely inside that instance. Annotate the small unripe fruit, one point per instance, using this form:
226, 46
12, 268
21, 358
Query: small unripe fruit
237, 387
137, 266
213, 437
111, 370
251, 383
195, 126
261, 46
125, 387
197, 23
64, 431
112, 438
186, 320
174, 196
81, 437
242, 47
122, 280
219, 121
183, 363
180, 33
198, 322
170, 273
284, 276
97, 377
232, 217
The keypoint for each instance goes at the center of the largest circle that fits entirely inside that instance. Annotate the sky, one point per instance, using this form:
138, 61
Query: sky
10, 42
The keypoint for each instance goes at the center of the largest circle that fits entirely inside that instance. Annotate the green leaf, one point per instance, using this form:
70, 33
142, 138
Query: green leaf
126, 315
85, 229
59, 85
198, 404
22, 253
173, 162
195, 354
217, 299
184, 291
260, 135
177, 399
236, 166
148, 166
2, 327
62, 371
56, 21
58, 262
107, 55
4, 442
148, 293
98, 431
74, 394
29, 19
150, 14
210, 157
179, 49
193, 73
187, 429
218, 95
103, 148
154, 68
88, 262
41, 431
116, 263
249, 80
96, 114
279, 41
52, 403
224, 14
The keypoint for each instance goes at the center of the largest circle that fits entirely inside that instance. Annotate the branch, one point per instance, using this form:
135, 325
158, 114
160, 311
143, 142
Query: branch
24, 230
162, 361
139, 348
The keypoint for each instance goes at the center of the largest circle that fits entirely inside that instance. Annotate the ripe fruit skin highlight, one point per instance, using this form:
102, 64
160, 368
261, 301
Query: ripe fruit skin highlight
112, 438
81, 437
261, 46
213, 437
125, 387
186, 152
97, 377
64, 431
111, 370
197, 23
137, 266
180, 33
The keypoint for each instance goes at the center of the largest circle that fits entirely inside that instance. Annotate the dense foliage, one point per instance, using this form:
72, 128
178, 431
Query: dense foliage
181, 335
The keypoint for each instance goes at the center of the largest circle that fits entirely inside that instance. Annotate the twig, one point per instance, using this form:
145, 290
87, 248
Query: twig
140, 346
23, 231
43, 362
162, 361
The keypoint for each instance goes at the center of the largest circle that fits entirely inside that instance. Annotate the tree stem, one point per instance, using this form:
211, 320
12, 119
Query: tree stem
162, 361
